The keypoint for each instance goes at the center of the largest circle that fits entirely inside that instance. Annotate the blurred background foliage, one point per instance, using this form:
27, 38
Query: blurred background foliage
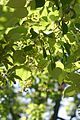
39, 57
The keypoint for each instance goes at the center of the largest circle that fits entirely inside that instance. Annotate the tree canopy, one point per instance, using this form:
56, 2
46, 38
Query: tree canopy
39, 48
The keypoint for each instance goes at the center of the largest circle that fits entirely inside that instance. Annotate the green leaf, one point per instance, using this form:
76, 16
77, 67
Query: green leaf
51, 42
23, 73
19, 56
69, 91
74, 78
51, 66
20, 12
20, 30
28, 48
16, 33
62, 77
74, 56
42, 64
54, 15
71, 37
54, 72
64, 28
77, 9
53, 18
73, 13
16, 3
59, 64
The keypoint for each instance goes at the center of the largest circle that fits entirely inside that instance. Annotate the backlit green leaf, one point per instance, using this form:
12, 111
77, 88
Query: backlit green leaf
69, 91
